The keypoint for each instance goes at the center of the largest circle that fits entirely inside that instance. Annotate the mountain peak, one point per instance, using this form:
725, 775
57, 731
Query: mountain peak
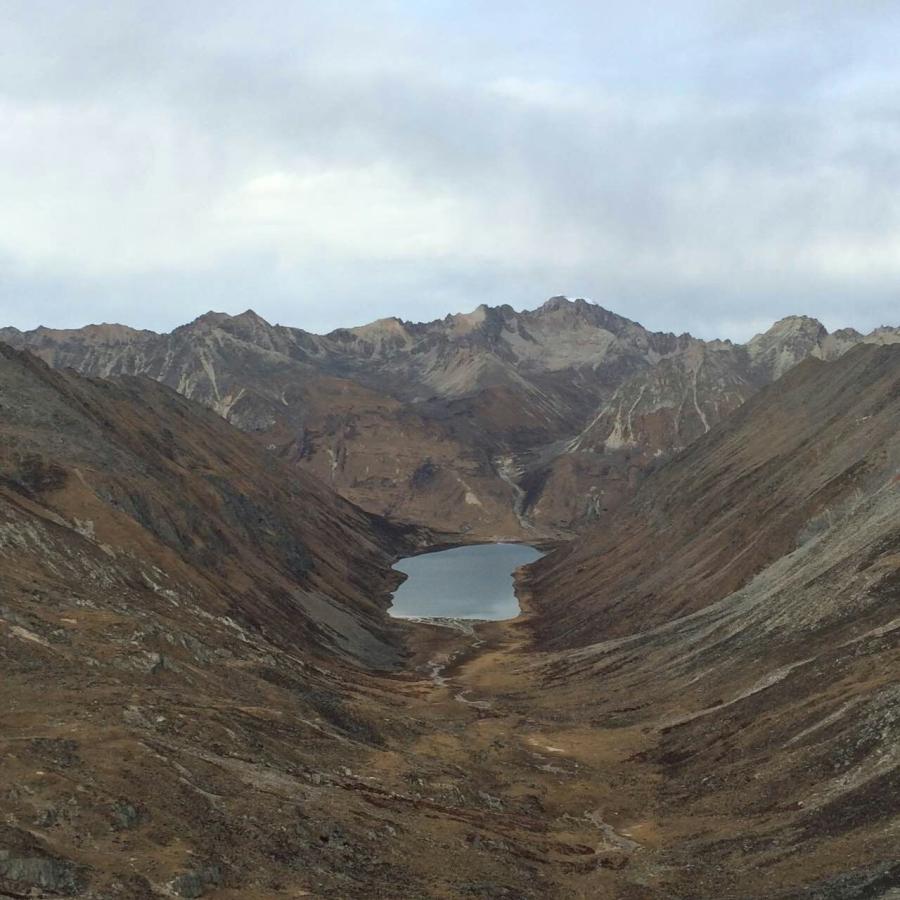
463, 322
796, 325
249, 315
788, 341
210, 318
554, 304
387, 327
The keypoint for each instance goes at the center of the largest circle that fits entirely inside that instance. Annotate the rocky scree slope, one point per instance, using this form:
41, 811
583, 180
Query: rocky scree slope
493, 423
743, 610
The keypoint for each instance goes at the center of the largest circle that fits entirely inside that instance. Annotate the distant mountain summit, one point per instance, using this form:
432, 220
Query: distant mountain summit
493, 422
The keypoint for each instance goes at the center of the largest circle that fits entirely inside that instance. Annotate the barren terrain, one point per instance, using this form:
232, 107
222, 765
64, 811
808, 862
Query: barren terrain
203, 695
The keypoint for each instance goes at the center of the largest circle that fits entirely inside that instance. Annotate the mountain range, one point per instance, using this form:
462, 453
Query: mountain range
494, 423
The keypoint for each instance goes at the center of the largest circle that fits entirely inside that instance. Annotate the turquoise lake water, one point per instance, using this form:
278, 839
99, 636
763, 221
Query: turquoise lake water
462, 583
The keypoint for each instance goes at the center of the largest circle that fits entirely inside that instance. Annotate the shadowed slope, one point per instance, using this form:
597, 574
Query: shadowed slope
132, 472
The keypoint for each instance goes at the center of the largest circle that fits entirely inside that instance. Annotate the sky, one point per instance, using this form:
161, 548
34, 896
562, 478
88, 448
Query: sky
697, 165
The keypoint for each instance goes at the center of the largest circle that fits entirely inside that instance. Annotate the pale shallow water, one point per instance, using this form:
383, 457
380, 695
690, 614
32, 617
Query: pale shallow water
462, 583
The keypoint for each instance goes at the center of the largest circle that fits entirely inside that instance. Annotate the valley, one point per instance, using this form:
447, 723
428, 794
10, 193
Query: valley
449, 451
204, 692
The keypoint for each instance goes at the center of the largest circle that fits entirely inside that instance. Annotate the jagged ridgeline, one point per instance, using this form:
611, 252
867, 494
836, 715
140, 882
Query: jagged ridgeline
492, 423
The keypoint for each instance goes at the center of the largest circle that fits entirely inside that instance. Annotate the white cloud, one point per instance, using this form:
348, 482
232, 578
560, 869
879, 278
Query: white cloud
738, 167
546, 94
363, 212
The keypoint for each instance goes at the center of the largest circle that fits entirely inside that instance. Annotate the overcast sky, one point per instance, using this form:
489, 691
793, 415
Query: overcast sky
703, 166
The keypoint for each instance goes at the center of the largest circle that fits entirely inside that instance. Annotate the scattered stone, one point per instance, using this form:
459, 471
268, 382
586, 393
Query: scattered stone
126, 815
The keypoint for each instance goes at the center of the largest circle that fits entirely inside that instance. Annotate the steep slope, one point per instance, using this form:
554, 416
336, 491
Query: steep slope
664, 407
130, 471
669, 406
739, 498
655, 413
182, 626
742, 610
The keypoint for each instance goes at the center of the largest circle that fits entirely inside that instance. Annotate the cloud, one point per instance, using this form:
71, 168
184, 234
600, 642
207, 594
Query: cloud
692, 164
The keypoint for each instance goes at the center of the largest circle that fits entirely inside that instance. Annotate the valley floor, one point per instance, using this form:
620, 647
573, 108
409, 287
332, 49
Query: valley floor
526, 799
512, 784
